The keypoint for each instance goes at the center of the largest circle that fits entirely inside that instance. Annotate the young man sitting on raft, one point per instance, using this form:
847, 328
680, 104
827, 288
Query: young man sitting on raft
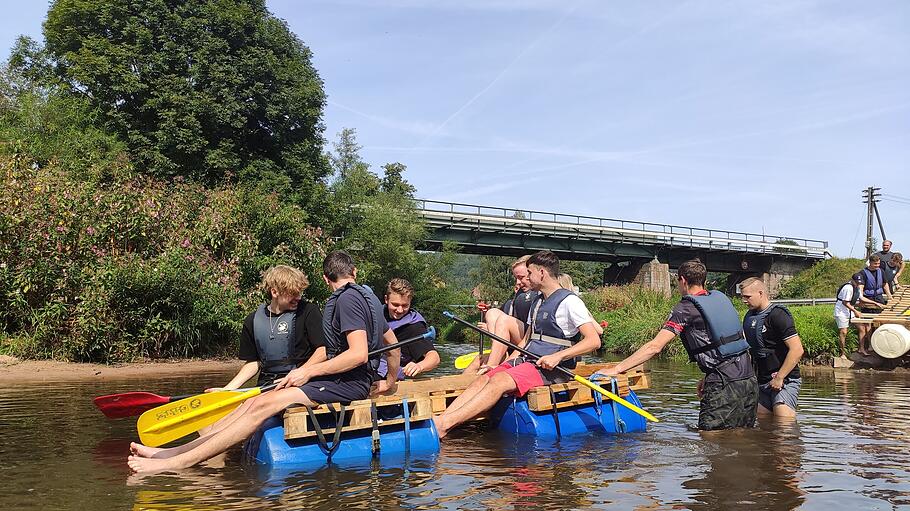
508, 321
556, 318
279, 335
416, 357
354, 325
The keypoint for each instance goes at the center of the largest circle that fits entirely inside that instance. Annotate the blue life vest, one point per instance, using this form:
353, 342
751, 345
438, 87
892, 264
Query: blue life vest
410, 318
519, 307
335, 345
874, 284
726, 332
275, 341
546, 336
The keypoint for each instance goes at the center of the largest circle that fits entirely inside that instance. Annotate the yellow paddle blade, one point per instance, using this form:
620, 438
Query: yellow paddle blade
175, 420
465, 360
593, 386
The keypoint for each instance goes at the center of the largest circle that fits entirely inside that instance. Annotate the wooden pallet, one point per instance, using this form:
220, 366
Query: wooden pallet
897, 311
573, 394
297, 422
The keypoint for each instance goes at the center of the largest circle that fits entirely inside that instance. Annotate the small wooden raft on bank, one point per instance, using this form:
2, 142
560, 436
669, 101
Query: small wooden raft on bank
897, 312
433, 396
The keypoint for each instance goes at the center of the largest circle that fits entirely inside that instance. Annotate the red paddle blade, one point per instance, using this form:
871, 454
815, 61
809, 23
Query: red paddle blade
128, 404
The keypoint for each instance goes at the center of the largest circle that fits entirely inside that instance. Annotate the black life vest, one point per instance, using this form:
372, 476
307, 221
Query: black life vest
335, 345
725, 331
519, 307
754, 328
275, 342
546, 335
854, 298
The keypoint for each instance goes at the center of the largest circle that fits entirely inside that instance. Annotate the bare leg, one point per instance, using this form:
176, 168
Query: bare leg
246, 423
842, 338
783, 411
156, 452
482, 401
473, 389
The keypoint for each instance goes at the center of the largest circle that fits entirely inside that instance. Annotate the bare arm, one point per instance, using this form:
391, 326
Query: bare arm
318, 356
355, 355
246, 372
793, 356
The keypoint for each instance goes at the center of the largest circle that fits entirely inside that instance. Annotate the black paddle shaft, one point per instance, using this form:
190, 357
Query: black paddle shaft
511, 345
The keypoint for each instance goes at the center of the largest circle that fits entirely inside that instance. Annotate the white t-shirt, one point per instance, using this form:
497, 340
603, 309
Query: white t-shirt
845, 294
571, 314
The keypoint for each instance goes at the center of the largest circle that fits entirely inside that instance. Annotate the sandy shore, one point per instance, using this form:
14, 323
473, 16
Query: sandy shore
15, 370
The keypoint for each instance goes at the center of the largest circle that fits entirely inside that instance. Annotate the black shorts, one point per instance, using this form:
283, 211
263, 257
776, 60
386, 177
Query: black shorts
726, 405
334, 389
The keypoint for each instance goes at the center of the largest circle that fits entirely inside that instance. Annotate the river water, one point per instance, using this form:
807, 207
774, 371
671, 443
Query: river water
849, 449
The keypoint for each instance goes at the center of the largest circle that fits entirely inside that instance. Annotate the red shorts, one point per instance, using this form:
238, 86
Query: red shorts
526, 375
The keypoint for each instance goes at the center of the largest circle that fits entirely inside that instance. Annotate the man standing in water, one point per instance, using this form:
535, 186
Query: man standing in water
354, 325
557, 317
711, 333
776, 350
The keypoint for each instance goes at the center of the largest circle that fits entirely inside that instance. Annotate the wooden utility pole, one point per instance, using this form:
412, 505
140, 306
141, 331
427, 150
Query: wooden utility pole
871, 198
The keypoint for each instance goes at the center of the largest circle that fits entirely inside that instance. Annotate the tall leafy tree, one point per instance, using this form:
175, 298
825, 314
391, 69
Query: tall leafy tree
205, 89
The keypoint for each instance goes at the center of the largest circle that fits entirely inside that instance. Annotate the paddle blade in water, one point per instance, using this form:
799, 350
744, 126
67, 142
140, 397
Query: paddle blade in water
465, 360
180, 418
128, 404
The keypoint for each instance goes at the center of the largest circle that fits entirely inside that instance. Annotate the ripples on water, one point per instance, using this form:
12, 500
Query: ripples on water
848, 450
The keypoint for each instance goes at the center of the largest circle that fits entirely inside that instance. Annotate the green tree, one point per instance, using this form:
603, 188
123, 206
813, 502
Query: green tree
201, 89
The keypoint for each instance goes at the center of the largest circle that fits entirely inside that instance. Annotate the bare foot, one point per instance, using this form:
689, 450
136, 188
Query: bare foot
145, 465
863, 353
143, 451
437, 421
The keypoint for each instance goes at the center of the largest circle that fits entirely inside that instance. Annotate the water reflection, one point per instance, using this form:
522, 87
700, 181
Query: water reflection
848, 450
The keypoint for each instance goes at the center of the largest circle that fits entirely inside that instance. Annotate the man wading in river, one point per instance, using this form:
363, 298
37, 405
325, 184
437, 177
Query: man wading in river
711, 332
776, 350
353, 324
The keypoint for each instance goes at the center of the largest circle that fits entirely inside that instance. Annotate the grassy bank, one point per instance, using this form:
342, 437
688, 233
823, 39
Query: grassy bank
636, 315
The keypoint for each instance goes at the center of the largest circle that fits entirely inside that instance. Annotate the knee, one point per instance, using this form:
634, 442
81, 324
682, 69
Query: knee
502, 382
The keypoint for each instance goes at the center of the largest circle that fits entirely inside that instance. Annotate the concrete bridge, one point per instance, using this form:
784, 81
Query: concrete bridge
638, 251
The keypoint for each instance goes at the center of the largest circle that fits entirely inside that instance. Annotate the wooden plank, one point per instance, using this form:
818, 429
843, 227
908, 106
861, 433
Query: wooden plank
297, 421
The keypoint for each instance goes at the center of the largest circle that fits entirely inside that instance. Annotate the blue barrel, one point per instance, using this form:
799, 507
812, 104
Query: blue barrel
512, 415
268, 447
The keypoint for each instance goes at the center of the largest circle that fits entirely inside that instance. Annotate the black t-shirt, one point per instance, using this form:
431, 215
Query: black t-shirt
352, 312
687, 322
308, 335
777, 329
417, 350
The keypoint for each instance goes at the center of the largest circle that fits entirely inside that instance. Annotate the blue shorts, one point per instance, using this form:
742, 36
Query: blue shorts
335, 389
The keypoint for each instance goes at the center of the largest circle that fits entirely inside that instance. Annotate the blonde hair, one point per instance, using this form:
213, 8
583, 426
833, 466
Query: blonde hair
751, 281
565, 280
285, 280
400, 287
523, 260
897, 259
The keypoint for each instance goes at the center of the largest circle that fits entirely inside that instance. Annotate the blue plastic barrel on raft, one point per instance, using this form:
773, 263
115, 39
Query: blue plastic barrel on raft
268, 446
603, 415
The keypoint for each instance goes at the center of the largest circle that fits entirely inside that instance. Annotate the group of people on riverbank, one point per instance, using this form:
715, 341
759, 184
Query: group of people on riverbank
750, 366
867, 293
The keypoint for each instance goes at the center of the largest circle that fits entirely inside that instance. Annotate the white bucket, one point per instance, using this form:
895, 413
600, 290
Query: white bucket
891, 341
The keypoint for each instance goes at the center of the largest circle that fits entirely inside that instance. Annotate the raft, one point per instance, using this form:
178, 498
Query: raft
370, 429
391, 427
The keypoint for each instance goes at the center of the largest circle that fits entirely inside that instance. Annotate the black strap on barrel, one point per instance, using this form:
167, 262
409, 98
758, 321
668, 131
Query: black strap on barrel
373, 416
320, 437
555, 413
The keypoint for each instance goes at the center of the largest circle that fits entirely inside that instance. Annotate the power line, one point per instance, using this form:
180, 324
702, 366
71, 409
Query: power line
891, 196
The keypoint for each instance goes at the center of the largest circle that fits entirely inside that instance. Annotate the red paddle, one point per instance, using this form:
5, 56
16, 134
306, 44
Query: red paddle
130, 404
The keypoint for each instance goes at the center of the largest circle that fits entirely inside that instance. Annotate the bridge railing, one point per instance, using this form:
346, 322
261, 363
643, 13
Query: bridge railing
522, 221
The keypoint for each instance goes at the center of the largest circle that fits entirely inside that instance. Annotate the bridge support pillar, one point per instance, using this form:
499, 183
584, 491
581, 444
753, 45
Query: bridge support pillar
773, 281
655, 275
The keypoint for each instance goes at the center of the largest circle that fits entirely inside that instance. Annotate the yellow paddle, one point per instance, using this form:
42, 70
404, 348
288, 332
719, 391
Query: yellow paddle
465, 360
169, 422
587, 383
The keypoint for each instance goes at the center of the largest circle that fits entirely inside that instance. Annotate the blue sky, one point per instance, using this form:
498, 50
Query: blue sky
759, 116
